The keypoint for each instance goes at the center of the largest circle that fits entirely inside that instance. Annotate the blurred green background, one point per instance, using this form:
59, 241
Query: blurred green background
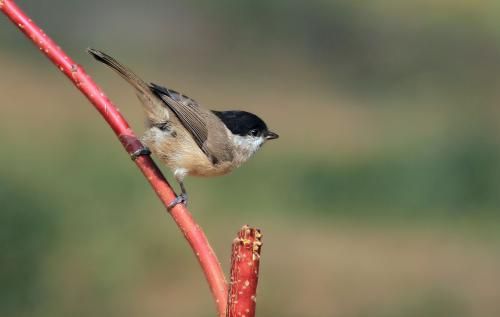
381, 198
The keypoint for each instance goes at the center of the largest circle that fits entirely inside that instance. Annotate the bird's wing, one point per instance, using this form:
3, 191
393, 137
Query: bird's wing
187, 110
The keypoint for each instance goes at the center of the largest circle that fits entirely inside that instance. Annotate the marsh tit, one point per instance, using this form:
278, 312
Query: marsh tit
188, 138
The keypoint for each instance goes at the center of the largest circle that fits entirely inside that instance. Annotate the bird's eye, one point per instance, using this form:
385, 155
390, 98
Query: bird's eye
254, 132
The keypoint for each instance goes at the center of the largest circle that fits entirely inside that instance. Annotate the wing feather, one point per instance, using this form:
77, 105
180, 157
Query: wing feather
188, 112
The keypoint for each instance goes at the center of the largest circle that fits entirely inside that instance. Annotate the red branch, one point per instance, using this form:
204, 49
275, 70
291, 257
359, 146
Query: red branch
245, 260
192, 231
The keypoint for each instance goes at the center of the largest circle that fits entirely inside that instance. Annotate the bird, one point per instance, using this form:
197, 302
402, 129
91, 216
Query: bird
188, 138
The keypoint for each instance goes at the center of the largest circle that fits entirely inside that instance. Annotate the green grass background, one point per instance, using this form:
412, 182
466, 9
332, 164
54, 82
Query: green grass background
381, 198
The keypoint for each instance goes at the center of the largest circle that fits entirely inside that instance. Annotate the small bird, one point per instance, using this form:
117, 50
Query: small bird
189, 139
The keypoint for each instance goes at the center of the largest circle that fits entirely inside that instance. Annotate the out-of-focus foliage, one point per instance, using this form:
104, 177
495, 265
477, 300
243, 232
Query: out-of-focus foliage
384, 187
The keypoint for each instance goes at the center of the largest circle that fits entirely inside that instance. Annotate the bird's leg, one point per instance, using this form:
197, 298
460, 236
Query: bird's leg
184, 193
181, 199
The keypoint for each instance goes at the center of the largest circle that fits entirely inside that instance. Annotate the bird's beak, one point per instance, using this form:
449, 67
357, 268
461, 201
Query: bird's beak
271, 135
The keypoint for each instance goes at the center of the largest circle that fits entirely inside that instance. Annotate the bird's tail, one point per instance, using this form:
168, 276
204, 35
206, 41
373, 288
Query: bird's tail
122, 70
150, 101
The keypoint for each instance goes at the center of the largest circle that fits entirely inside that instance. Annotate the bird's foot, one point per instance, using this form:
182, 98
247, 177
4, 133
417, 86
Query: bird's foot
181, 199
140, 152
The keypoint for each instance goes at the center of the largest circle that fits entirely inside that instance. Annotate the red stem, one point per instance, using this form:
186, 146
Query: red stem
245, 260
192, 231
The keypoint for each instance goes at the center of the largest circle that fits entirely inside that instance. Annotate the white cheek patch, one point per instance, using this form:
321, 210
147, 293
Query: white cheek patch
246, 146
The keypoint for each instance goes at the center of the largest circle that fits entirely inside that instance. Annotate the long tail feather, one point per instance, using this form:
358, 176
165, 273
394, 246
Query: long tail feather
124, 71
147, 97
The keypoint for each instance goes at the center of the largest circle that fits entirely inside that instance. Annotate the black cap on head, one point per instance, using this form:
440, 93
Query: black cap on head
242, 122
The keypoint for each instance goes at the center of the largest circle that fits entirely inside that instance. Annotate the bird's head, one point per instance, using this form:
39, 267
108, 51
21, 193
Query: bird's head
248, 131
